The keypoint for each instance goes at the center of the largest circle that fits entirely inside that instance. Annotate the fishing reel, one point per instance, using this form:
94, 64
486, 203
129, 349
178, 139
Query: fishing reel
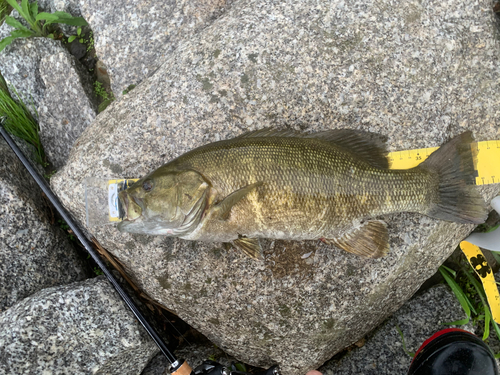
208, 367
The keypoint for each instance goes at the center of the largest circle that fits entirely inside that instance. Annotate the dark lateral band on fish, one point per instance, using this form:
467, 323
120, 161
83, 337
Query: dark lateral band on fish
283, 184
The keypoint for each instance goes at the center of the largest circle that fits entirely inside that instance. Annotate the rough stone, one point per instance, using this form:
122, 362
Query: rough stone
415, 72
34, 254
418, 319
81, 328
19, 64
67, 107
133, 36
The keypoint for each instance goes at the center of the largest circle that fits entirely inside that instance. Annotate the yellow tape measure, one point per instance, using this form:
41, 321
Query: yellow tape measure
483, 270
487, 163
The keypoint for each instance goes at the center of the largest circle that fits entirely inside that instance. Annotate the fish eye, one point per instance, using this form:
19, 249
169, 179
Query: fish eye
147, 185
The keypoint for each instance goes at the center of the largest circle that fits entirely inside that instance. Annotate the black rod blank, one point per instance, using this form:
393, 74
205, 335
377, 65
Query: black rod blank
83, 239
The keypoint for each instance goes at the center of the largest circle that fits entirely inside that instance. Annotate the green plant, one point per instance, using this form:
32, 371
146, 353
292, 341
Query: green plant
98, 271
411, 354
48, 176
90, 43
19, 121
39, 23
472, 297
64, 226
128, 89
4, 7
79, 36
101, 91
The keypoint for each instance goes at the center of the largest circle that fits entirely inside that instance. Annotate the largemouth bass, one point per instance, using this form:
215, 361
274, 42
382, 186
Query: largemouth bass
287, 185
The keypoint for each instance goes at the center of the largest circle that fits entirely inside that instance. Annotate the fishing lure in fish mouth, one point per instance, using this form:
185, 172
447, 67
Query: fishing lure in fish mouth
282, 184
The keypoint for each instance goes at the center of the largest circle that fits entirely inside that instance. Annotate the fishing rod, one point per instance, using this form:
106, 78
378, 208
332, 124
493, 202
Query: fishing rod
177, 366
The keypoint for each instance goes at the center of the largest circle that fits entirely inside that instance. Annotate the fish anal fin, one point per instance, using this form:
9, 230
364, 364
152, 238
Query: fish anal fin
250, 246
222, 209
370, 240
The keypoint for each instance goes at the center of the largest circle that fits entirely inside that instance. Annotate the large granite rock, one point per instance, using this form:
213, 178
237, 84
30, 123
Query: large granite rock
55, 88
34, 254
81, 328
418, 320
415, 72
67, 107
132, 37
19, 64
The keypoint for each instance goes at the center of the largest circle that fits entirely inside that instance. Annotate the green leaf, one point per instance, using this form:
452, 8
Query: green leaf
453, 272
240, 367
71, 38
462, 298
11, 21
79, 31
47, 17
15, 5
74, 21
5, 42
50, 36
492, 228
487, 318
22, 33
34, 9
404, 344
495, 327
26, 11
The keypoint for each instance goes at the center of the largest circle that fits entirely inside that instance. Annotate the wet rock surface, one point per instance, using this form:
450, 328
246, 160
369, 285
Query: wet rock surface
80, 328
417, 73
34, 254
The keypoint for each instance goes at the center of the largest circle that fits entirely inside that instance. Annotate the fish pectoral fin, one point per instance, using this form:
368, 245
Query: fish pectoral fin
250, 246
370, 240
222, 209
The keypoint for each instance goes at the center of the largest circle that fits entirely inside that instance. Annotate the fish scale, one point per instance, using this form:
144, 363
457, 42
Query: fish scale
301, 177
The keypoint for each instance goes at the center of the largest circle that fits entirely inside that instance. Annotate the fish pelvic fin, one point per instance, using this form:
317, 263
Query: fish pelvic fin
457, 199
222, 209
370, 240
250, 246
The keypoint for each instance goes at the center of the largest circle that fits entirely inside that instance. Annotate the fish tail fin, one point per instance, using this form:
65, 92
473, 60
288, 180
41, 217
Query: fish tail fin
457, 199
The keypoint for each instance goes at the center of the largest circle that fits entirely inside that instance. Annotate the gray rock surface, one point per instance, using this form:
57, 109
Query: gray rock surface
418, 319
67, 107
81, 328
132, 37
34, 254
417, 73
19, 64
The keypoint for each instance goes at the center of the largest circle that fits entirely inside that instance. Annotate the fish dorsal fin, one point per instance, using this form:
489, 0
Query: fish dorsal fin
250, 246
370, 240
272, 132
366, 145
222, 209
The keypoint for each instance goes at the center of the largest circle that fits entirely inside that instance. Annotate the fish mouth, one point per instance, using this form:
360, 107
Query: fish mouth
130, 210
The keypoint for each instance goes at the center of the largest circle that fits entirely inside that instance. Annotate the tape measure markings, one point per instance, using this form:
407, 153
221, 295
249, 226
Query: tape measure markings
478, 262
487, 163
